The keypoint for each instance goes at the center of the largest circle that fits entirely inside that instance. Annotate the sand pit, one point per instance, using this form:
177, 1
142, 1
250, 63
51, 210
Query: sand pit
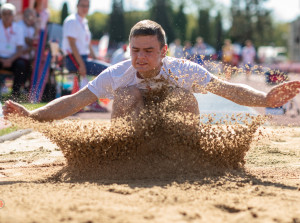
265, 190
162, 170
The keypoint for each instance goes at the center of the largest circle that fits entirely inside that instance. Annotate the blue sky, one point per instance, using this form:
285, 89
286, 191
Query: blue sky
284, 11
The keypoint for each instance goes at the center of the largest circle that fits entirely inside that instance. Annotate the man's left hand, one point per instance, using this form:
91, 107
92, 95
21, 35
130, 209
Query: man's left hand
282, 93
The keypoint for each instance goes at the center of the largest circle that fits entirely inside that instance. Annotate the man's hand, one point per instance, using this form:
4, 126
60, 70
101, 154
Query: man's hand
82, 70
11, 107
282, 93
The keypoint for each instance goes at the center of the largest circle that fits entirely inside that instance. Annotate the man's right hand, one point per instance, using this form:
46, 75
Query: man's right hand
11, 107
82, 70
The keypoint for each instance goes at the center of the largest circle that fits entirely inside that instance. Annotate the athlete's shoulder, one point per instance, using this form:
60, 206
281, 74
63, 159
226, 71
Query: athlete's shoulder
179, 63
71, 18
119, 68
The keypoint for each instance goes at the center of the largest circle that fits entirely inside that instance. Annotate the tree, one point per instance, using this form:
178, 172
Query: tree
250, 20
180, 22
98, 24
219, 32
64, 13
162, 12
132, 17
204, 25
116, 27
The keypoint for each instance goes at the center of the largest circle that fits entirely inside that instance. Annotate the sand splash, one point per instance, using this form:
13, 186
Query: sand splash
162, 143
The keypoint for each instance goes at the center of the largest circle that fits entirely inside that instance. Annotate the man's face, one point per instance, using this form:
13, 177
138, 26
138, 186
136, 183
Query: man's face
7, 17
30, 19
146, 55
83, 7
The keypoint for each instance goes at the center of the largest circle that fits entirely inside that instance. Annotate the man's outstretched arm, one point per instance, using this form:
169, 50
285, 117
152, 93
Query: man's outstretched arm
56, 109
245, 95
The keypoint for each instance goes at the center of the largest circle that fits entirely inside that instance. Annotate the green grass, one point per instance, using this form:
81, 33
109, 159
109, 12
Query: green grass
15, 128
7, 130
30, 106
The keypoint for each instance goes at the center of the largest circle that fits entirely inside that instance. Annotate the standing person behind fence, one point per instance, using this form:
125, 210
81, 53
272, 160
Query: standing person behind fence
248, 57
77, 46
176, 50
30, 28
11, 45
40, 6
227, 57
199, 51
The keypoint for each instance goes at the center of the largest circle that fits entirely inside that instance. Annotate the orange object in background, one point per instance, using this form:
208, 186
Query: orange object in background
75, 85
105, 101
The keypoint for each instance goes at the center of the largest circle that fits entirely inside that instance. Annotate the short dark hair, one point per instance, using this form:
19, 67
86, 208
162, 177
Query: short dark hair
149, 28
78, 2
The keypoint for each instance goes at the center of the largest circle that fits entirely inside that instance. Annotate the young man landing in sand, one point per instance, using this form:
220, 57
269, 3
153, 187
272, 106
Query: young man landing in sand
128, 82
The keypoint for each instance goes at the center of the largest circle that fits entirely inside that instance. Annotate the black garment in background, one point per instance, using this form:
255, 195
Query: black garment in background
19, 69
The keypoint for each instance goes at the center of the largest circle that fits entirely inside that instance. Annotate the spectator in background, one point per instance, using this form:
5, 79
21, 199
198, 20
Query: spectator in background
176, 50
120, 54
199, 50
77, 46
187, 50
227, 57
40, 7
30, 30
11, 47
248, 57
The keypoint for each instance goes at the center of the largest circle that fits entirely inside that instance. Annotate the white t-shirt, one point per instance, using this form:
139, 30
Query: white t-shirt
10, 38
28, 32
248, 55
76, 27
174, 72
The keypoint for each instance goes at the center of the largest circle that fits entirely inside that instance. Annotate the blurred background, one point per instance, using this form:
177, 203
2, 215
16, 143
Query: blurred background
272, 25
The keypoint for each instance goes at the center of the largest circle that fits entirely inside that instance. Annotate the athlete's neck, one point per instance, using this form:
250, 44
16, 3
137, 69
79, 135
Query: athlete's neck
149, 74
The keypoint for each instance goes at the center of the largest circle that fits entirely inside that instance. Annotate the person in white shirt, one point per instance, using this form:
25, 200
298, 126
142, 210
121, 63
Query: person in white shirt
76, 43
176, 50
77, 48
43, 14
120, 54
30, 30
11, 45
248, 57
149, 68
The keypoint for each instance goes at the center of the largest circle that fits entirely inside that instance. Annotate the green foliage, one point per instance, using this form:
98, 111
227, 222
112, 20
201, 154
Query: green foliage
132, 17
219, 36
250, 20
280, 34
116, 27
180, 23
54, 15
204, 25
64, 13
162, 12
98, 24
191, 30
